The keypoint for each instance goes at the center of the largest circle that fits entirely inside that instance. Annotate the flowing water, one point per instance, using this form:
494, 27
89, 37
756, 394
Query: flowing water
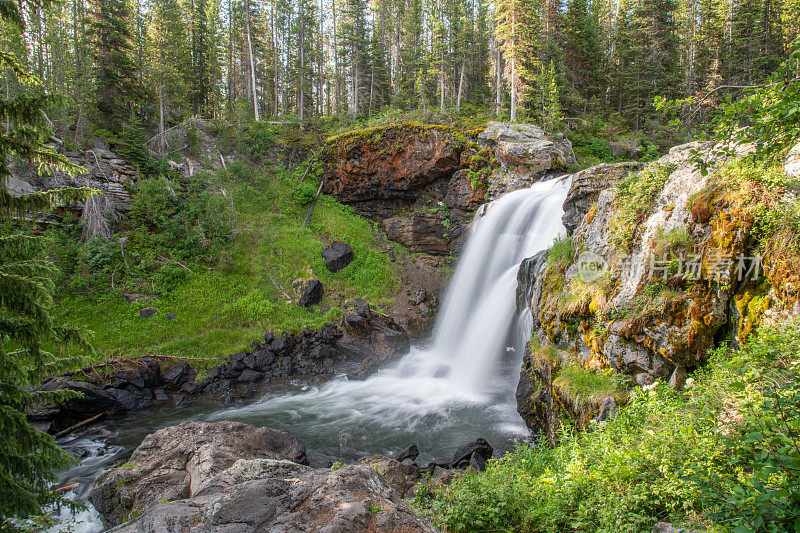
457, 387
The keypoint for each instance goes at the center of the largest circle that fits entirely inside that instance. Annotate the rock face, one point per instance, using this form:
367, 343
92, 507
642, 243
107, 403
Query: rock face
389, 163
524, 152
587, 186
424, 183
175, 462
234, 477
645, 297
792, 162
337, 255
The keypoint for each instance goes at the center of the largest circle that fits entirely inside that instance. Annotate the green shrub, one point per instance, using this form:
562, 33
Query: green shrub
721, 456
257, 138
304, 193
636, 193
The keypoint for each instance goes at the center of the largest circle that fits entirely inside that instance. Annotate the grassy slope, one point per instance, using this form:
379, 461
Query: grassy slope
222, 309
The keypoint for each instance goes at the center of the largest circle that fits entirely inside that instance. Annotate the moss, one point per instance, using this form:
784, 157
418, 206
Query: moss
635, 195
751, 305
337, 145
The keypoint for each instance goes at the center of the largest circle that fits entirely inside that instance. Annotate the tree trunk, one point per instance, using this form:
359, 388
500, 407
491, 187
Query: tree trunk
460, 87
252, 66
162, 140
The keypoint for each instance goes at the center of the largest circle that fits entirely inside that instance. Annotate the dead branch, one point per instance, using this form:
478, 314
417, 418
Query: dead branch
314, 203
79, 425
288, 298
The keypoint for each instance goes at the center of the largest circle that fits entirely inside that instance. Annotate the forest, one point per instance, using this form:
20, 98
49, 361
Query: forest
133, 68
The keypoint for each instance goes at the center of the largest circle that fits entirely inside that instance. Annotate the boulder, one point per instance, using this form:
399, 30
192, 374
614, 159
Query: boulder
311, 293
411, 452
147, 312
388, 163
176, 462
525, 152
464, 453
792, 162
337, 255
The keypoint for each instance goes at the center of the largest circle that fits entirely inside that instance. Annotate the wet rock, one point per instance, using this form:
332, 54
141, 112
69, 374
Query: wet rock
176, 375
477, 463
132, 398
160, 395
337, 255
249, 376
250, 392
262, 359
464, 453
311, 293
220, 386
179, 461
411, 452
147, 312
178, 399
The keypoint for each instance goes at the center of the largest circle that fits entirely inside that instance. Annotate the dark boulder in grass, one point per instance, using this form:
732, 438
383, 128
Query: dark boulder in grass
337, 255
147, 312
311, 293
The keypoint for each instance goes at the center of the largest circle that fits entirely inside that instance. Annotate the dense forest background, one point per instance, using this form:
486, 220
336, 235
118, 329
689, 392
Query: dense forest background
131, 68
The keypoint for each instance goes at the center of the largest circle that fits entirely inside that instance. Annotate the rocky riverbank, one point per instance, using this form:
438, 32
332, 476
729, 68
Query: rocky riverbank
229, 476
363, 342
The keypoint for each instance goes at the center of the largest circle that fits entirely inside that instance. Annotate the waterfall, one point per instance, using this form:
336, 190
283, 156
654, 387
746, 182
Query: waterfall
458, 387
472, 362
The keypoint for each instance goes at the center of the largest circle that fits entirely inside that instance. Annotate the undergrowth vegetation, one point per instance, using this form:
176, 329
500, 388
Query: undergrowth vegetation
221, 252
724, 455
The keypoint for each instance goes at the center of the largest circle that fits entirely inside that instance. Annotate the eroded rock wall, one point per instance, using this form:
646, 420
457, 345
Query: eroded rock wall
646, 296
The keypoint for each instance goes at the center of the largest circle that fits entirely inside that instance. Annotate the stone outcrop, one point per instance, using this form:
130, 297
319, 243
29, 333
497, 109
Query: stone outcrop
102, 170
424, 183
646, 297
174, 463
525, 152
587, 185
234, 477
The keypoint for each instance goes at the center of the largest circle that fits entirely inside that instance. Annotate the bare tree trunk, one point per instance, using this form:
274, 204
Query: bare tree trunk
371, 92
460, 88
337, 68
162, 139
513, 89
252, 66
277, 59
441, 86
498, 79
301, 100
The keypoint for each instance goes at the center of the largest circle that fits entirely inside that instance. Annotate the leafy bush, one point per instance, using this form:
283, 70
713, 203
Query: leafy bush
723, 454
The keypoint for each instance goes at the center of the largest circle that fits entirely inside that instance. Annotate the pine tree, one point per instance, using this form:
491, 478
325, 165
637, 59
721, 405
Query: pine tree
116, 75
27, 456
583, 57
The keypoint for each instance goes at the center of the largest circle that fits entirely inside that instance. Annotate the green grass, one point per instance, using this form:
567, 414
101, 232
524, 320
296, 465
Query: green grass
584, 385
220, 309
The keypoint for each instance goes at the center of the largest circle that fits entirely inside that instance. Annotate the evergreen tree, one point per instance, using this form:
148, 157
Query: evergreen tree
116, 75
583, 57
27, 456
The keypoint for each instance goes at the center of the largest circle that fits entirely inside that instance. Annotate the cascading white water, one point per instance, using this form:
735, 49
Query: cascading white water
464, 363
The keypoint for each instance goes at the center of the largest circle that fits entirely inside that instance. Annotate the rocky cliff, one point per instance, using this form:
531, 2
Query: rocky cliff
662, 265
423, 183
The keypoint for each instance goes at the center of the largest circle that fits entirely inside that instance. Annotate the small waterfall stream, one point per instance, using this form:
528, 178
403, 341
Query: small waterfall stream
458, 387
